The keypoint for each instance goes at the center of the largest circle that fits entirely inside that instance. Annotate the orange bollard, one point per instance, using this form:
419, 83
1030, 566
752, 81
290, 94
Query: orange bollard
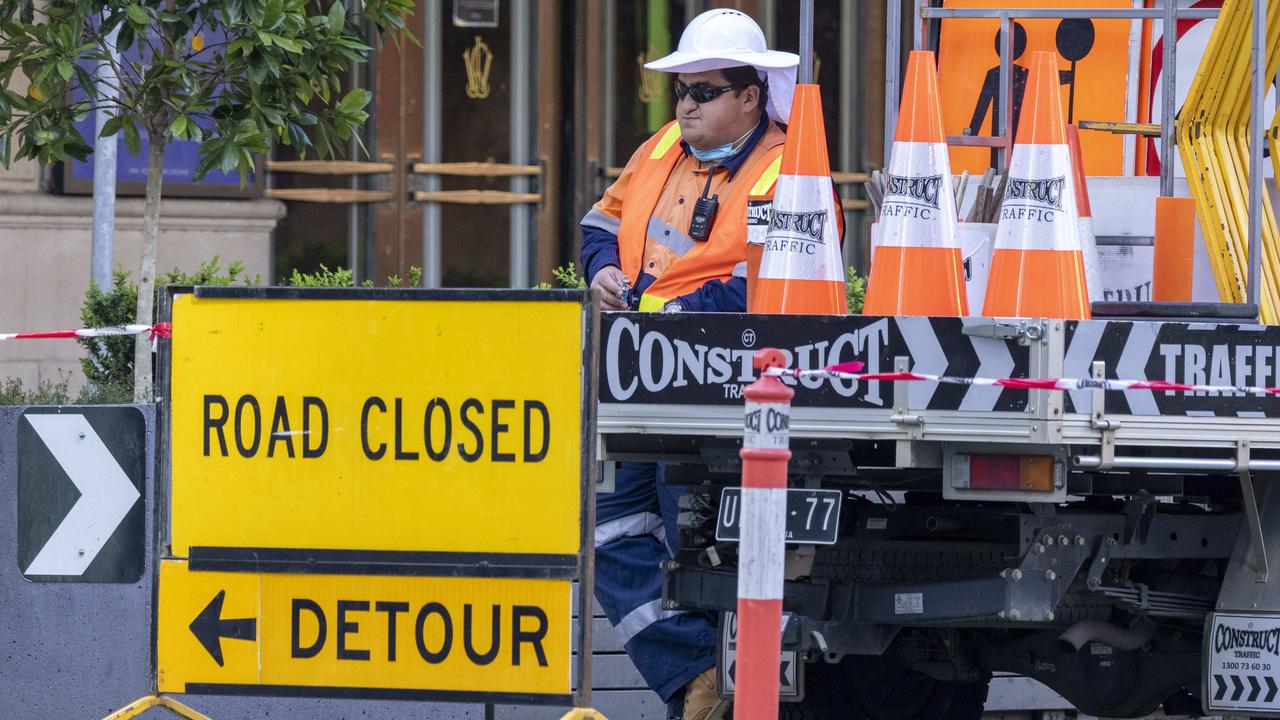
1175, 249
1037, 268
762, 547
801, 270
917, 269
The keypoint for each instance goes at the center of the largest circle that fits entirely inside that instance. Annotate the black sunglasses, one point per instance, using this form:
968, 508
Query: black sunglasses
703, 92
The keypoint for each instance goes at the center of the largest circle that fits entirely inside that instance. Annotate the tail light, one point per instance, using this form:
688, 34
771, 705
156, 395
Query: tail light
1016, 473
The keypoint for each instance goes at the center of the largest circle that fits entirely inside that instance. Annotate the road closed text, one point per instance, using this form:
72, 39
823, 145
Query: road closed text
499, 430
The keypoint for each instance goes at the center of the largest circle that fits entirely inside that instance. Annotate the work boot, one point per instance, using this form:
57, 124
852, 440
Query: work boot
700, 699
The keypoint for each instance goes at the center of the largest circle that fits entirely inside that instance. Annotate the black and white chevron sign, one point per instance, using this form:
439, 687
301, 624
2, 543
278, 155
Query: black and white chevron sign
1192, 353
1242, 662
705, 360
81, 513
1245, 688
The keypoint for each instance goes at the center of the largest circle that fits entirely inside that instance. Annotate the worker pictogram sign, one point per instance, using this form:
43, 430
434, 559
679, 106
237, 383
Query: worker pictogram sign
376, 493
361, 636
1088, 54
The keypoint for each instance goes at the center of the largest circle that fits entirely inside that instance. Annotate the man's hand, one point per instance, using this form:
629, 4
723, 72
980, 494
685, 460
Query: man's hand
609, 281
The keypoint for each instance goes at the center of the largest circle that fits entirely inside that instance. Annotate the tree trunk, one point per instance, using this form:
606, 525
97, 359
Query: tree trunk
143, 390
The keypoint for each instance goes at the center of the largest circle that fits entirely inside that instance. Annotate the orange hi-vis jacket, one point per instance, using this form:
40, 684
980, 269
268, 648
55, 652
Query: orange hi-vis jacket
650, 205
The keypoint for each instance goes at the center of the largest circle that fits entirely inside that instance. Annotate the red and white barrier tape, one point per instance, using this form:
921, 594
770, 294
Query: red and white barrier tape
850, 371
162, 330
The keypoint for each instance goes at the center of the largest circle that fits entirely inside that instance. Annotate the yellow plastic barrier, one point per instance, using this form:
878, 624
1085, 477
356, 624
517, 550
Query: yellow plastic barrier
141, 705
583, 714
1213, 140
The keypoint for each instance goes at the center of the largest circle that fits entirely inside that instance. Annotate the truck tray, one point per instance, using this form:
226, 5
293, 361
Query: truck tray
673, 377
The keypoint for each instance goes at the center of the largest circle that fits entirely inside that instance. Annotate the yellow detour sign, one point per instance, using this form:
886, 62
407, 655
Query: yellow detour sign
359, 636
408, 432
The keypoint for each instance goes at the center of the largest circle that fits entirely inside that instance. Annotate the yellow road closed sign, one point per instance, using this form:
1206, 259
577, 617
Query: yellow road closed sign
349, 427
362, 636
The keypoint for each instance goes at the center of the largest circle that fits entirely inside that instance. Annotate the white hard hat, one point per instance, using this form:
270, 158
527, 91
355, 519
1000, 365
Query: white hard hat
719, 39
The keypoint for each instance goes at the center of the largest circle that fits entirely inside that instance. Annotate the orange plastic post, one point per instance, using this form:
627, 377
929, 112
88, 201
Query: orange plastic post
1175, 249
762, 548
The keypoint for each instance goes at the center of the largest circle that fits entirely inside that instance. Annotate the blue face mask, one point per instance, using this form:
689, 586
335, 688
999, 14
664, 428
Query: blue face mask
714, 154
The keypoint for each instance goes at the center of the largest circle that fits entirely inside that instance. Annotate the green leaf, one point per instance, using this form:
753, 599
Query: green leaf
132, 140
112, 126
86, 82
138, 16
240, 46
274, 14
228, 156
244, 166
287, 45
354, 101
337, 17
178, 128
65, 69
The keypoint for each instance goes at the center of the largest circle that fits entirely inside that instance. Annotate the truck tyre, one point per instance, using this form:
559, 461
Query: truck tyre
871, 688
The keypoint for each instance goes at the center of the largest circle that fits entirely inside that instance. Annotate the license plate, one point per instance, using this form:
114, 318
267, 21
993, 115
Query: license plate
790, 667
813, 516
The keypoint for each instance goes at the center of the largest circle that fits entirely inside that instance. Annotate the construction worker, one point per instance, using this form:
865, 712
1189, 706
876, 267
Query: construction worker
670, 235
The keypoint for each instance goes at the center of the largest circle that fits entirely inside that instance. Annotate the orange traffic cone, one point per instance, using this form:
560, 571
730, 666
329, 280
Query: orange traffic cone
1088, 240
917, 268
1037, 269
801, 271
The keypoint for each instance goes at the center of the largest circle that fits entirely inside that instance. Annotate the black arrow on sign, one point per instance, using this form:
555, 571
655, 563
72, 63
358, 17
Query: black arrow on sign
1235, 680
782, 673
1222, 687
209, 628
1271, 689
1255, 687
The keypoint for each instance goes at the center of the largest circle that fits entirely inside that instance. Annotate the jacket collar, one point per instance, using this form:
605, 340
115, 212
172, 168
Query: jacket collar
735, 161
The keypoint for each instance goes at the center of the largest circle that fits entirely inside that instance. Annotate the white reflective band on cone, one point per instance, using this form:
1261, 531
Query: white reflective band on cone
1092, 264
1039, 199
803, 241
919, 208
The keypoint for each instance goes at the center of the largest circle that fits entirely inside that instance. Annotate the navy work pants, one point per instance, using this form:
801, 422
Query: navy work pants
635, 531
